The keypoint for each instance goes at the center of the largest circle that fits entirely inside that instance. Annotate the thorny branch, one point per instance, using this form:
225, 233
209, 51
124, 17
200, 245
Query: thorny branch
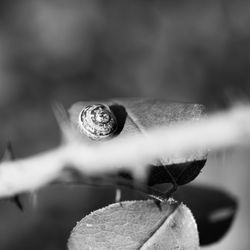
216, 132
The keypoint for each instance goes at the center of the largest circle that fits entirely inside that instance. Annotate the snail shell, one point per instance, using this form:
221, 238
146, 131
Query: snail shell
97, 122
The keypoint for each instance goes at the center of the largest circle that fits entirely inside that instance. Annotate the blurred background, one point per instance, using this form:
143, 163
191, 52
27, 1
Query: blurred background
68, 51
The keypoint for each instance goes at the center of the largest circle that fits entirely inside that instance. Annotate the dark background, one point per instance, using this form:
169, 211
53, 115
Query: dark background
68, 51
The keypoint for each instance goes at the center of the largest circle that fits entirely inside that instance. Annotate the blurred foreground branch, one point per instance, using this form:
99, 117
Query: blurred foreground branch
133, 153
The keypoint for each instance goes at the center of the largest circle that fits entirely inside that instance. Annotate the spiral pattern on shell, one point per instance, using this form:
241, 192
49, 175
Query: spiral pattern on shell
97, 122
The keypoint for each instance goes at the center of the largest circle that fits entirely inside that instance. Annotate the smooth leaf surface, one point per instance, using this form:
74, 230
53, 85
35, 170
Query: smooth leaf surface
137, 225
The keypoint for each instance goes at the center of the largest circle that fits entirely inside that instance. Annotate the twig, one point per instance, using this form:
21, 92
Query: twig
177, 144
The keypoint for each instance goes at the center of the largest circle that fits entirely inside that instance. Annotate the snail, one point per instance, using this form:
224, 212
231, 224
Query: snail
97, 122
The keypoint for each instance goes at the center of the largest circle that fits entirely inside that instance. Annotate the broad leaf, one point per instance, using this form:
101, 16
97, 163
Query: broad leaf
137, 225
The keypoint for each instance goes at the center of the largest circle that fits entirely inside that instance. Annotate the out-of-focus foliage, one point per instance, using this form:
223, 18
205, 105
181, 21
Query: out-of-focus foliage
185, 50
213, 209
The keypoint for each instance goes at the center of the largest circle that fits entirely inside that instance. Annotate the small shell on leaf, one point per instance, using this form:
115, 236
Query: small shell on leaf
97, 122
138, 115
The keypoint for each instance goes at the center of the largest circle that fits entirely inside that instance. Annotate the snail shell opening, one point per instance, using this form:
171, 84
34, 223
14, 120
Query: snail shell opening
97, 122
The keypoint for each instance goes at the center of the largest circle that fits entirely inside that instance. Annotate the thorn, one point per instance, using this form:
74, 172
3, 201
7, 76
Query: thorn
158, 204
8, 155
17, 202
157, 200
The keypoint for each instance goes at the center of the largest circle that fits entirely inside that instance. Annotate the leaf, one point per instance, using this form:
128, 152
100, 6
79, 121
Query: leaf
138, 115
136, 225
213, 209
